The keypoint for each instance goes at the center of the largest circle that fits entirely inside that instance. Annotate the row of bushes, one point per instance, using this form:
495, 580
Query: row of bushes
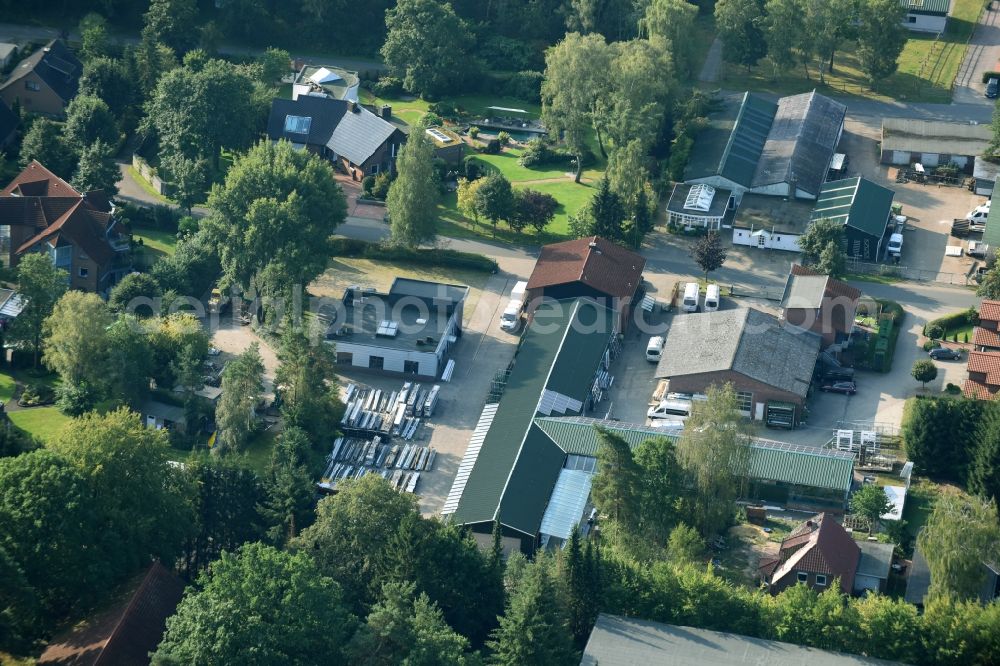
159, 217
350, 247
937, 328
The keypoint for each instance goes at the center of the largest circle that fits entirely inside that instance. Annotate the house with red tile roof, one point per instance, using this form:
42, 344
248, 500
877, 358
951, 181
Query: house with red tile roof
125, 632
40, 212
589, 267
984, 375
815, 554
820, 304
986, 335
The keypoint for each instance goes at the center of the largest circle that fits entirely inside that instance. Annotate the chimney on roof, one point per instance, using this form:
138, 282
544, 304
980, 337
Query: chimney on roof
809, 523
47, 49
352, 106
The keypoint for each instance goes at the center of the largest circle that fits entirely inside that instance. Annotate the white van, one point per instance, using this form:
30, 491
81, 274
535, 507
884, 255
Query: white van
712, 298
672, 410
510, 320
690, 302
654, 349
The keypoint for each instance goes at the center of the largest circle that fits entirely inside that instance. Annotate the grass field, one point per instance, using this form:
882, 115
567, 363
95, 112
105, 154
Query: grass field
45, 423
927, 67
161, 242
343, 272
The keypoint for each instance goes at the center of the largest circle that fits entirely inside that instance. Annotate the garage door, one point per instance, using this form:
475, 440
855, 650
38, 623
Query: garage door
961, 161
862, 583
929, 159
900, 157
983, 188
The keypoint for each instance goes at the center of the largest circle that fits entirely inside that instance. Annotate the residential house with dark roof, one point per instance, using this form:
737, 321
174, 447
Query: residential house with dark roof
45, 81
926, 15
821, 304
626, 641
815, 553
8, 52
349, 135
769, 364
781, 148
127, 631
932, 142
40, 212
593, 267
864, 208
511, 466
986, 334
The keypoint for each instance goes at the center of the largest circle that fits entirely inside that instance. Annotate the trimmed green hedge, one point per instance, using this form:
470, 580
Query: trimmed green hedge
990, 75
350, 247
951, 322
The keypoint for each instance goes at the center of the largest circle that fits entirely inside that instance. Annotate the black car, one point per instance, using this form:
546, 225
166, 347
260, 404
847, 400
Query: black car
991, 87
945, 354
847, 388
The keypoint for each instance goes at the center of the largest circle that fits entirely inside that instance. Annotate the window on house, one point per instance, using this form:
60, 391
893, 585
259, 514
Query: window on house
345, 358
84, 272
802, 576
376, 362
744, 400
411, 367
32, 85
820, 580
298, 124
374, 169
911, 19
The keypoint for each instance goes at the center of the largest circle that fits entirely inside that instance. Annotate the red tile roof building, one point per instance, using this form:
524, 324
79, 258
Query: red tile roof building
819, 303
125, 633
591, 266
815, 553
40, 212
984, 375
986, 336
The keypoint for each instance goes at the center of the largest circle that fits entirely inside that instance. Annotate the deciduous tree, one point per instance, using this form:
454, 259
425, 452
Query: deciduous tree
172, 22
712, 449
94, 39
990, 286
708, 252
817, 237
44, 143
242, 386
124, 295
129, 360
110, 80
831, 260
575, 76
76, 340
871, 503
273, 218
783, 30
188, 175
881, 38
984, 473
259, 606
89, 119
495, 199
413, 196
740, 24
97, 170
961, 534
672, 22
685, 545
40, 285
533, 208
924, 371
467, 197
426, 47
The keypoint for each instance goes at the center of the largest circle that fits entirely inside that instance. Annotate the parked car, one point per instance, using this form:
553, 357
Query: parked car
895, 246
945, 354
992, 87
847, 388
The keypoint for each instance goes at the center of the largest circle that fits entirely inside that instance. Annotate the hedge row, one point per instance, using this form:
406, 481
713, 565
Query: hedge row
350, 247
938, 327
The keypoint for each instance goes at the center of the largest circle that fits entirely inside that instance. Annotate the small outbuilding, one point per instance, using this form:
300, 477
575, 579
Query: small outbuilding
985, 172
932, 143
873, 567
925, 15
7, 54
771, 223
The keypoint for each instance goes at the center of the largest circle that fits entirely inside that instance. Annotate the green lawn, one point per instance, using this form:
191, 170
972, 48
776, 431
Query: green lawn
45, 423
927, 67
258, 451
7, 385
158, 241
919, 504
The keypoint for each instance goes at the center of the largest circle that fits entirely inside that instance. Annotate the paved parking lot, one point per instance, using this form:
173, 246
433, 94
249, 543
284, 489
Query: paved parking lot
483, 350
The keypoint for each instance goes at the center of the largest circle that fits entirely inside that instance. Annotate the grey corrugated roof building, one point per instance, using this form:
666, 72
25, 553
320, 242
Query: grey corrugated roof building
620, 641
339, 129
743, 340
781, 148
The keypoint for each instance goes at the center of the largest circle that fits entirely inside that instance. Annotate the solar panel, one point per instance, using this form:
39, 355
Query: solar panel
387, 329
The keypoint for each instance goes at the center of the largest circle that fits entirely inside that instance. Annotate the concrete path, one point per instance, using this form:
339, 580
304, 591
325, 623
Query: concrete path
981, 56
713, 63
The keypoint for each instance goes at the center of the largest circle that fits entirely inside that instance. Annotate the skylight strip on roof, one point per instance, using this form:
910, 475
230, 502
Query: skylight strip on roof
469, 459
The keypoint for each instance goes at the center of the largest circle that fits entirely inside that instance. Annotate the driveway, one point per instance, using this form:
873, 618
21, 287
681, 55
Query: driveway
981, 56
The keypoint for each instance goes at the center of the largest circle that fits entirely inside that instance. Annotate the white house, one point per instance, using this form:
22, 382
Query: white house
699, 205
408, 331
771, 223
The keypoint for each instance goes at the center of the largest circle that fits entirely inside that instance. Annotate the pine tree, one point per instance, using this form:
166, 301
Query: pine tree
606, 212
533, 631
984, 473
582, 612
615, 486
289, 487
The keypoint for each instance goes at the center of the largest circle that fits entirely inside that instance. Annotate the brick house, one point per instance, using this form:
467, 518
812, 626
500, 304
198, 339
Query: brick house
40, 212
593, 267
984, 375
769, 364
356, 140
815, 553
819, 303
45, 81
986, 335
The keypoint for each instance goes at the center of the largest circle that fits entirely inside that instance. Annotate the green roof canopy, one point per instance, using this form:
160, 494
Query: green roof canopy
855, 202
